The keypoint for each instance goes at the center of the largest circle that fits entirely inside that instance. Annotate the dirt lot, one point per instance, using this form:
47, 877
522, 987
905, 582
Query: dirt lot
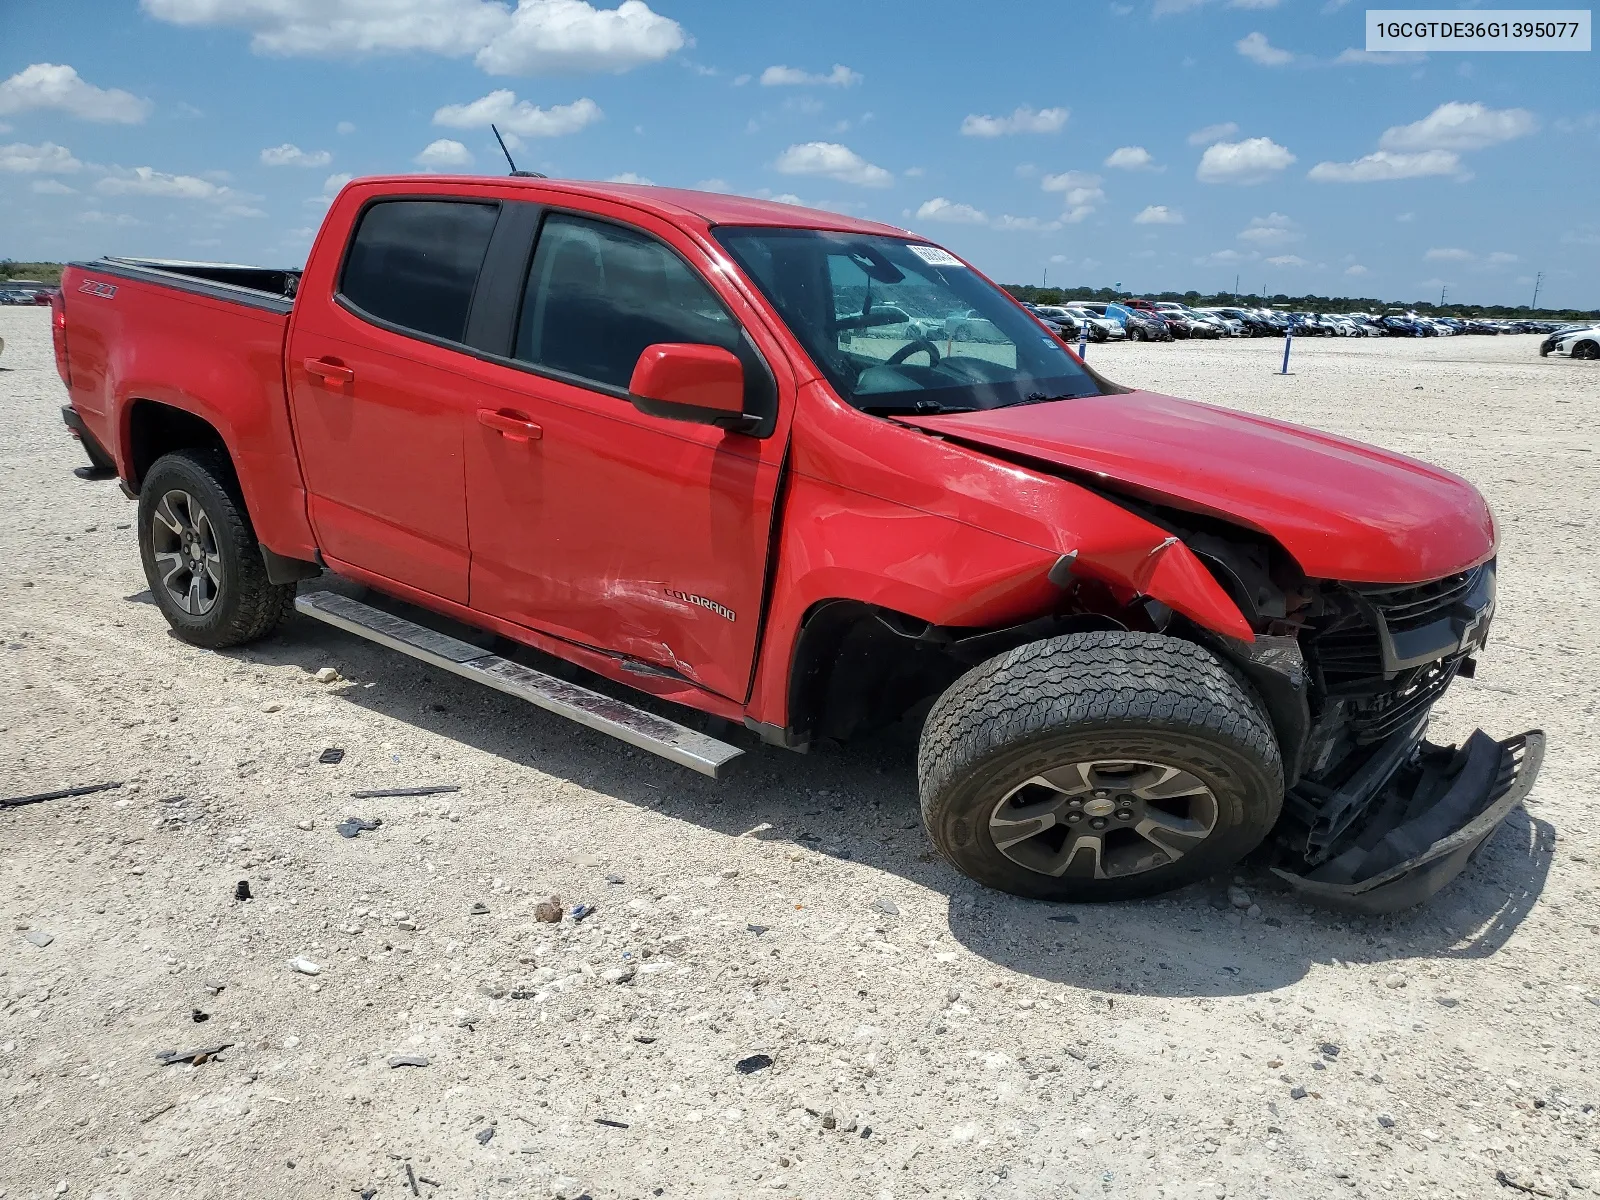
927, 1038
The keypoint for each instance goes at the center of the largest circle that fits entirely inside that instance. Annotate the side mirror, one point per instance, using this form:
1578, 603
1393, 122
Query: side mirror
685, 381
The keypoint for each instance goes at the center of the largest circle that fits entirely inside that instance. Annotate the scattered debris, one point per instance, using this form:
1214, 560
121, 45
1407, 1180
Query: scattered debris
756, 1062
1394, 980
478, 909
305, 966
607, 1121
580, 911
199, 1015
758, 930
332, 755
887, 907
411, 1176
615, 879
1297, 1092
328, 675
1513, 1180
383, 793
1329, 1050
355, 826
1386, 1120
215, 987
201, 1054
87, 789
757, 829
39, 938
1065, 918
272, 706
241, 890
485, 1135
157, 1111
623, 974
644, 1039
829, 1121
409, 1060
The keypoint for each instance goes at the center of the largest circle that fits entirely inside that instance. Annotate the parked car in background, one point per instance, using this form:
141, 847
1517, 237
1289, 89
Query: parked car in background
1577, 341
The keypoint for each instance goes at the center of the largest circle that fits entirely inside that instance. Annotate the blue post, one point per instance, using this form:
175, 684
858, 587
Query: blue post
1288, 340
1083, 339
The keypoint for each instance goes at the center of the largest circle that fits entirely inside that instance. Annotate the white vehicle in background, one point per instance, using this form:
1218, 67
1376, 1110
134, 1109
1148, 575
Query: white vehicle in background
1577, 341
1232, 326
1071, 314
969, 326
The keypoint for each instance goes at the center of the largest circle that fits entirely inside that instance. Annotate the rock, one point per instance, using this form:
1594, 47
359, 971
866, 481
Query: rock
758, 930
328, 675
39, 938
1329, 1050
406, 925
1386, 1120
408, 1060
565, 1187
1239, 898
1297, 1092
484, 1135
304, 824
1273, 922
622, 974
305, 966
290, 1042
756, 1062
1394, 980
61, 1187
829, 1121
1253, 912
478, 909
549, 909
355, 826
1448, 999
271, 706
730, 873
615, 880
887, 907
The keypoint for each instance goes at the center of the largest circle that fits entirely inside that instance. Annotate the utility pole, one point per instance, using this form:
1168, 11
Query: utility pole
1047, 277
1538, 280
1236, 288
1443, 288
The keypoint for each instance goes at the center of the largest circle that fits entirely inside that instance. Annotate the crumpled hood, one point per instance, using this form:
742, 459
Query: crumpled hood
1344, 510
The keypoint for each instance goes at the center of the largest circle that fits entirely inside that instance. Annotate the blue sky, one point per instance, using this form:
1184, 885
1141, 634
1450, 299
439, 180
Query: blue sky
1153, 143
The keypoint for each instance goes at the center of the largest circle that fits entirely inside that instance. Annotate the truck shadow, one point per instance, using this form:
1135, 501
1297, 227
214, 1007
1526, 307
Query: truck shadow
859, 803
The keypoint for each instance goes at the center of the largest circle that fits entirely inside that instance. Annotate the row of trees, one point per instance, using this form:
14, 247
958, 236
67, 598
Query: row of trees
43, 272
1317, 304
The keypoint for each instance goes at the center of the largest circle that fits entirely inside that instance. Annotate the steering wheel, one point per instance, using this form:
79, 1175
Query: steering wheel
917, 342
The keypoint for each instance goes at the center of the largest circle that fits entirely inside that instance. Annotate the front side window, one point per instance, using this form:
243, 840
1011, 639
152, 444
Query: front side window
899, 326
415, 263
598, 294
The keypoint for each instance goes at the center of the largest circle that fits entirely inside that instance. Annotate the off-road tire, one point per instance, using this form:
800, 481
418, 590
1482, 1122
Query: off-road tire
247, 606
1110, 695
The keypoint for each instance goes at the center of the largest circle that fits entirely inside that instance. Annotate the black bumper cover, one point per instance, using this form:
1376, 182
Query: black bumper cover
1436, 812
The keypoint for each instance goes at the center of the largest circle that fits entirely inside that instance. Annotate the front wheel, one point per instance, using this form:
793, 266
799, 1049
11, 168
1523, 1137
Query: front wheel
1589, 350
1098, 766
201, 556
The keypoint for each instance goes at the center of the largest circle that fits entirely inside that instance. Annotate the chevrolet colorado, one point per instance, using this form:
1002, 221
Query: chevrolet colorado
753, 460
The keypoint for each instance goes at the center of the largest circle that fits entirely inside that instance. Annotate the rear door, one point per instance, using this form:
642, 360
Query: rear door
640, 535
375, 356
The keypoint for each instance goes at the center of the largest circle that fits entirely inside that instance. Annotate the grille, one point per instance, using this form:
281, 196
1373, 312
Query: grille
1411, 606
1375, 719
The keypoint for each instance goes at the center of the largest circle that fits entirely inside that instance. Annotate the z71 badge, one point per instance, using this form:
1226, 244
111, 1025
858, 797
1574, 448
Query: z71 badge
94, 287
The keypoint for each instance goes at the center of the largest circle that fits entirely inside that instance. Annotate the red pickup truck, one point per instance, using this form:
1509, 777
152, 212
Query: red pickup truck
726, 452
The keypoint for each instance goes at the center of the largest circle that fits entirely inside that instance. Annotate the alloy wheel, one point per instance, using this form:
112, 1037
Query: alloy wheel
1103, 819
186, 553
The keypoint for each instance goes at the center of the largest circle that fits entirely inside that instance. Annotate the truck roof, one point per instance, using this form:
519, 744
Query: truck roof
715, 208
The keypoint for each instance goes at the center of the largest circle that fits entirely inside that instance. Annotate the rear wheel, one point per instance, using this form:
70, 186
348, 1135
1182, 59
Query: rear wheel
201, 556
1098, 766
1586, 350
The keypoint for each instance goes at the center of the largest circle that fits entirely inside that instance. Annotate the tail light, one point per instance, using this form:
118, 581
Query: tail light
58, 330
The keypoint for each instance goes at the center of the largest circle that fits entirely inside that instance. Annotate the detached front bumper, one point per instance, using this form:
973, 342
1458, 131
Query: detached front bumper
1431, 816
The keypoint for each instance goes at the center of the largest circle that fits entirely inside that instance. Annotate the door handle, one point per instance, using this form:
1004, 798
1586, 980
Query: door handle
329, 372
518, 429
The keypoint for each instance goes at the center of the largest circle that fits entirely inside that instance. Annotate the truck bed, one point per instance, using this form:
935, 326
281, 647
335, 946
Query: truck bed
263, 287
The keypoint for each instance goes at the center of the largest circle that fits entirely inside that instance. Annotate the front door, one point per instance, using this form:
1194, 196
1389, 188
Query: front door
379, 401
635, 534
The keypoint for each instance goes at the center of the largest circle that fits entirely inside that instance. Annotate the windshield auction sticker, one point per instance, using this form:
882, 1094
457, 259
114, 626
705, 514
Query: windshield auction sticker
934, 256
1412, 29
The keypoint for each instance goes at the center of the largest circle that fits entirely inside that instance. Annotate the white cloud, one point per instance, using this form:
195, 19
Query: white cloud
330, 189
1131, 158
551, 36
840, 76
52, 187
1213, 133
94, 216
1158, 214
1379, 58
1501, 258
443, 155
1458, 126
502, 108
290, 155
741, 80
832, 161
1023, 120
536, 37
48, 85
1254, 160
1382, 166
345, 127
1257, 49
146, 181
1287, 260
630, 177
1224, 258
1006, 223
940, 209
1274, 229
1448, 254
713, 185
46, 158
1080, 186
1356, 270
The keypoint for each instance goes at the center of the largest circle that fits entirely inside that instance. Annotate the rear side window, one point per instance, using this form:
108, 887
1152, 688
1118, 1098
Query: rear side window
598, 294
414, 263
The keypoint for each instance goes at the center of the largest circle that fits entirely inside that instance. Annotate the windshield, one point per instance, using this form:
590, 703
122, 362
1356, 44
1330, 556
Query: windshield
900, 326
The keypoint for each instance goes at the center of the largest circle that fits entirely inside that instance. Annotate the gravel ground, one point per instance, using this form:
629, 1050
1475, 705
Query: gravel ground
925, 1037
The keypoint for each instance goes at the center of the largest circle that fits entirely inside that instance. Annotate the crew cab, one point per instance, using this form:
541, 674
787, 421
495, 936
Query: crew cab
711, 449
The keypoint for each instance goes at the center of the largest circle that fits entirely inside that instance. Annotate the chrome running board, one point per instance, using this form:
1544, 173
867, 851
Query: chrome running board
621, 720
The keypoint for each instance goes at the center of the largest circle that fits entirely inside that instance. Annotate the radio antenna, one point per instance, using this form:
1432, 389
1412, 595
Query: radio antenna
509, 160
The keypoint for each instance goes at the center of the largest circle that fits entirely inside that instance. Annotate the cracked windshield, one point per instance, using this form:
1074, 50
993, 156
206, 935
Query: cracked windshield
902, 327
